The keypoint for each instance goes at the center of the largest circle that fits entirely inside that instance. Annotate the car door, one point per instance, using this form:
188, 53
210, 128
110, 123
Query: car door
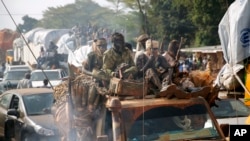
5, 100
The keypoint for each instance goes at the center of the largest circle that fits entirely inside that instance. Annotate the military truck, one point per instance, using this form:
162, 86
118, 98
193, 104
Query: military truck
158, 119
132, 117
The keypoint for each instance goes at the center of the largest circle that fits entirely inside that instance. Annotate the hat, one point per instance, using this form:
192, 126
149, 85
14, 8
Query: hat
142, 37
152, 44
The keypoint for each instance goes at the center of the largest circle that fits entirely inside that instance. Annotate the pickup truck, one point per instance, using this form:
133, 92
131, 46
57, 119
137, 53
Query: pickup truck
158, 119
142, 119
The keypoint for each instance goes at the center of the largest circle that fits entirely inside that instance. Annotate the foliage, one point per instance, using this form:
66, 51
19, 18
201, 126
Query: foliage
29, 23
196, 20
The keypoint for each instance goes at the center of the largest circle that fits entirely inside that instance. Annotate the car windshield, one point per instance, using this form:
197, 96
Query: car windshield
168, 123
228, 108
38, 104
39, 76
14, 75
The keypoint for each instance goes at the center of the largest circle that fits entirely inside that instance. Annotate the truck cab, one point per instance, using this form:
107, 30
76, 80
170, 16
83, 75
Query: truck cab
158, 119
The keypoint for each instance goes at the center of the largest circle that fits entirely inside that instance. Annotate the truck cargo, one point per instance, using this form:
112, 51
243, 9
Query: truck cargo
7, 37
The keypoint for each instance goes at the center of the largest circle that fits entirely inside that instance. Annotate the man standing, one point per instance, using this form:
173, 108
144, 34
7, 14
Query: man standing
25, 82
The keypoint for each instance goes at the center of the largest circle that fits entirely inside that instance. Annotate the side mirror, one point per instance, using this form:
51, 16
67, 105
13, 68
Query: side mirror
13, 112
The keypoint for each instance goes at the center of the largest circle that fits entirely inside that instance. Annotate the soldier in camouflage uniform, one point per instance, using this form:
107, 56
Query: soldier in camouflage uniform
87, 97
95, 58
117, 55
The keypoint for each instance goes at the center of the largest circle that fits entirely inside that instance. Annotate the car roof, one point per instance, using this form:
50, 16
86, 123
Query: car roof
18, 70
30, 91
38, 70
16, 66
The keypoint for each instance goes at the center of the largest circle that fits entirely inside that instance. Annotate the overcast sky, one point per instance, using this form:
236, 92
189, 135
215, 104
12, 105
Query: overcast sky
32, 8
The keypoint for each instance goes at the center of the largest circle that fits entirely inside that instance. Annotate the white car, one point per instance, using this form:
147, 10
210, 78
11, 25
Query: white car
55, 77
17, 67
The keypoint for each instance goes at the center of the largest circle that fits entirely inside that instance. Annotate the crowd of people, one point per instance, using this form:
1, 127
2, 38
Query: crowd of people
85, 33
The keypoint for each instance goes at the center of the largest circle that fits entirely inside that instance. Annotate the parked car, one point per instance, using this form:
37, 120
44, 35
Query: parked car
231, 111
55, 76
11, 79
25, 115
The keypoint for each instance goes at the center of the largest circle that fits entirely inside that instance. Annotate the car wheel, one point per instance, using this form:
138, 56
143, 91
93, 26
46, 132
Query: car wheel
28, 137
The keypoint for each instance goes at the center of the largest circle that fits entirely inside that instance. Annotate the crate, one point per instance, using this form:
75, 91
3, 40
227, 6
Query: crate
127, 87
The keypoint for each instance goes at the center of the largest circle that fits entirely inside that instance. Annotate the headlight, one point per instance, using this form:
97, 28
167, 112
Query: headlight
43, 131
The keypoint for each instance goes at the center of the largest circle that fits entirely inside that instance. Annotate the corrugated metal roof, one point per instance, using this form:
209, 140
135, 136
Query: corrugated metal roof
204, 49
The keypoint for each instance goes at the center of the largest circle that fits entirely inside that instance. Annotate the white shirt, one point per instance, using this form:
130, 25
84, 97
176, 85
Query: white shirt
24, 83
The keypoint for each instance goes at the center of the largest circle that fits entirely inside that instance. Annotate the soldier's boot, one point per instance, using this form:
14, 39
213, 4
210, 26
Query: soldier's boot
179, 93
167, 91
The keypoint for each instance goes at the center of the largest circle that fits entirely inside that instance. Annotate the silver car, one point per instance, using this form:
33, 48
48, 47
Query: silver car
25, 115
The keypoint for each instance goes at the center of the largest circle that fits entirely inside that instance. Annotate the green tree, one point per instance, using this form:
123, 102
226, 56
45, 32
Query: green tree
197, 20
206, 15
28, 24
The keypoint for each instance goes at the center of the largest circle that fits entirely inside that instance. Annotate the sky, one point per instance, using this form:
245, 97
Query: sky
32, 8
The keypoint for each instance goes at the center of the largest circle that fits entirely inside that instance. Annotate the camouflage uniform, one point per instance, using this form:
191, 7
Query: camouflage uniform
116, 56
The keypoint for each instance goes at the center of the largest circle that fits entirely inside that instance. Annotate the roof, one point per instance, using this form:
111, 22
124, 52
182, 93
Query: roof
204, 49
52, 70
29, 91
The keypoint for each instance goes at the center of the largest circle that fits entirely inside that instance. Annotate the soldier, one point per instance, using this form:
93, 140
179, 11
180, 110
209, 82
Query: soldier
117, 55
94, 60
141, 42
153, 65
89, 98
172, 57
176, 87
141, 45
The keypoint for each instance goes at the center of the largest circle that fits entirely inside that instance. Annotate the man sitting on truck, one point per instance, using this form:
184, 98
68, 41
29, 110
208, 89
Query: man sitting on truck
117, 55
